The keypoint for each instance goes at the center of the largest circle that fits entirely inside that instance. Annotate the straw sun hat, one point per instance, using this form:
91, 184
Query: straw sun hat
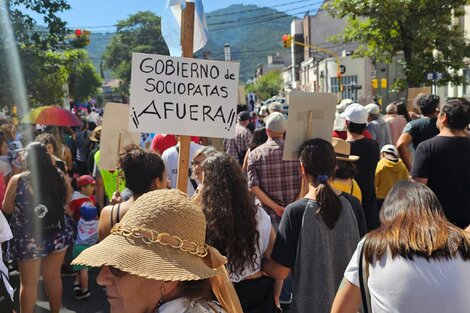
96, 134
161, 237
343, 150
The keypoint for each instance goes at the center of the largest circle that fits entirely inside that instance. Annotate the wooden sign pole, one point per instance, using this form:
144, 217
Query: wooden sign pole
187, 34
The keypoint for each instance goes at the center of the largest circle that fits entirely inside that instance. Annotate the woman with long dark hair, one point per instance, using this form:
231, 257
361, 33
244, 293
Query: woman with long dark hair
259, 137
238, 229
37, 199
317, 235
417, 261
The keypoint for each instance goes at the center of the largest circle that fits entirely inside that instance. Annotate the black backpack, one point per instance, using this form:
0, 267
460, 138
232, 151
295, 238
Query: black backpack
44, 212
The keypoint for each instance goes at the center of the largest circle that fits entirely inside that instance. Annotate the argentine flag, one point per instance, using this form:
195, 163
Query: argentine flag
171, 26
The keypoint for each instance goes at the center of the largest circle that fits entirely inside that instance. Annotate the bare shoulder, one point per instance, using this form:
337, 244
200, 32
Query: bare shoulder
14, 179
104, 223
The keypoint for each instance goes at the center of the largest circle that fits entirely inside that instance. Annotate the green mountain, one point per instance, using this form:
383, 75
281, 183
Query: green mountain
96, 48
252, 32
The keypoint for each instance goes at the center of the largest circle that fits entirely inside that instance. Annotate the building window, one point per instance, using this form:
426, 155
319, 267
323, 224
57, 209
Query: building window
349, 92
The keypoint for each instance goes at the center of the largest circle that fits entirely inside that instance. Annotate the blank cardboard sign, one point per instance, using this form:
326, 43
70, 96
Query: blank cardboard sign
311, 115
115, 134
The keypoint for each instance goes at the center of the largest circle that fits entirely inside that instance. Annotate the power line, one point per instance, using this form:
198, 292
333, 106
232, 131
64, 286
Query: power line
226, 14
272, 14
209, 15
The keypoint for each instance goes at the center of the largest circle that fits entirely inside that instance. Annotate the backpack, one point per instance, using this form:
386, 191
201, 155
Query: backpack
44, 213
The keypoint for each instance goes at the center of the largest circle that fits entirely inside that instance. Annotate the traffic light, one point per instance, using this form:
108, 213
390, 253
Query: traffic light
375, 83
286, 41
383, 83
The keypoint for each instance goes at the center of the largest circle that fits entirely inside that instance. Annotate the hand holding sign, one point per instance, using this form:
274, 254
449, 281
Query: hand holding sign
183, 96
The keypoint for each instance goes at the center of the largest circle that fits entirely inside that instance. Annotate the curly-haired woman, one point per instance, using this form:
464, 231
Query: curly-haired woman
417, 260
239, 230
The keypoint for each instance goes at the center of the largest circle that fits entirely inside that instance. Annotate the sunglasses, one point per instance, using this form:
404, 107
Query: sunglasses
117, 272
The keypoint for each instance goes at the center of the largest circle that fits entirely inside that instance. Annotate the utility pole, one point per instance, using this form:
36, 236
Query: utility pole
227, 53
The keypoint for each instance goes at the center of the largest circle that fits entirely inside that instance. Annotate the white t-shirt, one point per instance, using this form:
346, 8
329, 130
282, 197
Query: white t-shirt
405, 286
264, 229
170, 156
94, 117
5, 234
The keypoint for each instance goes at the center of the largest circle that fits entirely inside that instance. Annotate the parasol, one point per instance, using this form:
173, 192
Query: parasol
57, 116
52, 115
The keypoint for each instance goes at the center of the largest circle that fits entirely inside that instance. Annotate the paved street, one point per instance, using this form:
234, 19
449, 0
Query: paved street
95, 304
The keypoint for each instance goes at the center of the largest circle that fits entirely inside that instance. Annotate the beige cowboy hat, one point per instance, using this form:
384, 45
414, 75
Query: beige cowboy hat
161, 237
343, 150
96, 134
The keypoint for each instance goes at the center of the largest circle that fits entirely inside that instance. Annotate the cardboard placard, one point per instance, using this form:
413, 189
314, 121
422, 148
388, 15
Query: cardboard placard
183, 96
241, 95
311, 115
412, 93
115, 135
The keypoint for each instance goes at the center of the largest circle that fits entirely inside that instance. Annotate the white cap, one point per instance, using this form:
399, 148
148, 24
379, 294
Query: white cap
277, 122
263, 111
355, 113
372, 108
392, 150
343, 105
275, 107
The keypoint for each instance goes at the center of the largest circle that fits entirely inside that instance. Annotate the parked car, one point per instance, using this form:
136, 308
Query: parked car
282, 100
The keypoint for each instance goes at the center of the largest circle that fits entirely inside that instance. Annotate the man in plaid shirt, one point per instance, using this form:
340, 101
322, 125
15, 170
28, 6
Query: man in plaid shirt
236, 147
276, 183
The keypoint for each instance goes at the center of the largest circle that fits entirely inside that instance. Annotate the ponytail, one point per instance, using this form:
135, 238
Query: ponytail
319, 160
329, 204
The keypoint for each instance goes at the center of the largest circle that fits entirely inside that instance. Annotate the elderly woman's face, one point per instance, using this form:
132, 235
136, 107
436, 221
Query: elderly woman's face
197, 166
129, 293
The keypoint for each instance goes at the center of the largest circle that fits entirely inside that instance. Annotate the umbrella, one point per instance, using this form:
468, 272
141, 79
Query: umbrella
57, 116
33, 115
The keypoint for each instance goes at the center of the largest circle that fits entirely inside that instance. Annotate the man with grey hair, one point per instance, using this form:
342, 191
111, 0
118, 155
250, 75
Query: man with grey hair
275, 107
395, 122
377, 127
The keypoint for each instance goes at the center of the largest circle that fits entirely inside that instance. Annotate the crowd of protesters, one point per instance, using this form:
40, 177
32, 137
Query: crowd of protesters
288, 233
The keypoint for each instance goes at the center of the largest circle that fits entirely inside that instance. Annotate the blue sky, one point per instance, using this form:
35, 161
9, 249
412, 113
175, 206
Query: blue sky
97, 13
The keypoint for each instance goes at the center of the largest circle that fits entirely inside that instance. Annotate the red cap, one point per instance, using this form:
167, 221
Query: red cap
85, 180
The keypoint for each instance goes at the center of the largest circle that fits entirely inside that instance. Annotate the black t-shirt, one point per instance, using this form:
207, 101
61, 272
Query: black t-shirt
445, 162
358, 212
285, 247
369, 154
421, 129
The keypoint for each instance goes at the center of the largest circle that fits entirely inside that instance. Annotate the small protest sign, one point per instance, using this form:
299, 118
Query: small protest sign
412, 96
311, 115
183, 96
115, 135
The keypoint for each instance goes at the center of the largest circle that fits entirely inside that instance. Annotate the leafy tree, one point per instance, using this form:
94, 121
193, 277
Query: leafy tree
83, 79
266, 86
43, 72
25, 27
423, 30
141, 32
45, 77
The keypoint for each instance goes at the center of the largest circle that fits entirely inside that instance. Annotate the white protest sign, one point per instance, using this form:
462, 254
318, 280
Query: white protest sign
311, 115
183, 96
115, 135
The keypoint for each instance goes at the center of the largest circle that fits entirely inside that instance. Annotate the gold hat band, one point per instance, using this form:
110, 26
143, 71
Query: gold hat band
149, 237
